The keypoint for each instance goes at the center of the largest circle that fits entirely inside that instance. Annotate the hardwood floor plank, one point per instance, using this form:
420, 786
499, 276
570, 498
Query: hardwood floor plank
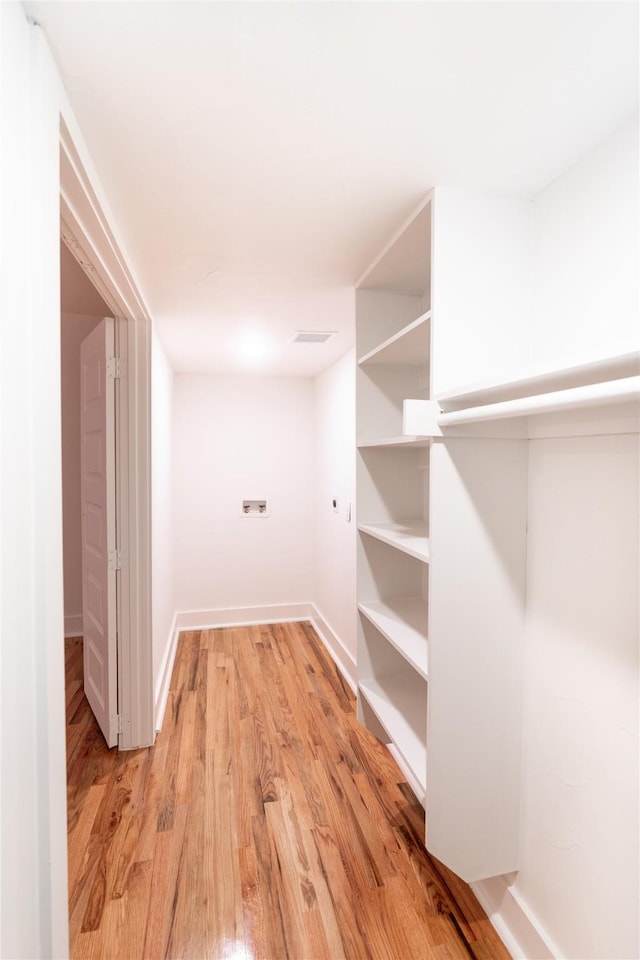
151, 800
346, 906
265, 823
126, 859
289, 882
268, 909
164, 884
79, 833
224, 916
79, 894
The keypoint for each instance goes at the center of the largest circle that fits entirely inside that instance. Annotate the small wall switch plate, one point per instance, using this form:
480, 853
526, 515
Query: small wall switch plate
255, 508
334, 504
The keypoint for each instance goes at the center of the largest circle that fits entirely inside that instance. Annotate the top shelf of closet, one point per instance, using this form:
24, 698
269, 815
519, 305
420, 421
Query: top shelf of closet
409, 346
590, 371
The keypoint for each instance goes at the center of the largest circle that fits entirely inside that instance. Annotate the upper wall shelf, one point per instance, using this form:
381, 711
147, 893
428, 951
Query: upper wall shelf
590, 371
409, 346
405, 262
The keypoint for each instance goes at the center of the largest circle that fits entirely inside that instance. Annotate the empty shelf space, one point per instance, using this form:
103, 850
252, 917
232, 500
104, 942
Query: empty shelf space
409, 346
403, 622
402, 441
411, 538
401, 708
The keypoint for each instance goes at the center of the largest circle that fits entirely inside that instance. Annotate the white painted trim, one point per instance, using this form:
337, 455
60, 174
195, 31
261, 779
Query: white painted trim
344, 660
242, 616
164, 676
73, 625
514, 922
135, 689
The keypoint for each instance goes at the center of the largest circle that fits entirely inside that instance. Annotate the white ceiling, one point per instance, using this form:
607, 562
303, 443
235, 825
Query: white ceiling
256, 156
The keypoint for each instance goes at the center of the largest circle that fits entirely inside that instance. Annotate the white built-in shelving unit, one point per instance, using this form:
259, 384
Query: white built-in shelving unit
393, 331
446, 406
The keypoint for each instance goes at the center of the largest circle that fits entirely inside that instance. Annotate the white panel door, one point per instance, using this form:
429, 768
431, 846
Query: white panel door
97, 426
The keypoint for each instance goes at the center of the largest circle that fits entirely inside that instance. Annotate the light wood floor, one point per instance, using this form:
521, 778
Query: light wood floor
264, 824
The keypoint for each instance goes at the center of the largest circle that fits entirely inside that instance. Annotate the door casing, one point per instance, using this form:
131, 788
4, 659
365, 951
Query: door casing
86, 232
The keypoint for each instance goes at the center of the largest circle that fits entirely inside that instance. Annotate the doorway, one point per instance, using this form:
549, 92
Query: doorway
89, 241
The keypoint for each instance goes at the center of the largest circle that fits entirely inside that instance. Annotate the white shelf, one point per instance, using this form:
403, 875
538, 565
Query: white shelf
409, 346
402, 441
401, 708
593, 370
403, 622
410, 538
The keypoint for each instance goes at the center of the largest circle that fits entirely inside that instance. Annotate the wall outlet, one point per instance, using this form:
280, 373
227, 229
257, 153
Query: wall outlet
255, 508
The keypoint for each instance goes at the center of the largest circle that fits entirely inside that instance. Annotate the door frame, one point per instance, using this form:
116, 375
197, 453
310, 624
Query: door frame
85, 230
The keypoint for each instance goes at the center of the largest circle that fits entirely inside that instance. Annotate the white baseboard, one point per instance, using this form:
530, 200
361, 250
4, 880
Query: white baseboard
164, 678
519, 930
344, 660
73, 625
242, 616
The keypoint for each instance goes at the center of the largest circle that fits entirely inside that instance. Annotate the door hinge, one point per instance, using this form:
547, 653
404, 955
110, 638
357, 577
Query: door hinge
120, 723
117, 559
116, 368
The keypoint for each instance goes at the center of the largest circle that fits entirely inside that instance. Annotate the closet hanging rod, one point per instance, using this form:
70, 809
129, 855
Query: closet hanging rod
591, 395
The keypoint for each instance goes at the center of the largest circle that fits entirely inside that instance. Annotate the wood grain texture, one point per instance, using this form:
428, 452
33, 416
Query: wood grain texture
265, 823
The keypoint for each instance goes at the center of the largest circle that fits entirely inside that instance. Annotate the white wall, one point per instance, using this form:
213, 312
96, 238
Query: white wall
334, 568
235, 438
163, 604
579, 829
33, 870
73, 330
580, 812
578, 881
586, 255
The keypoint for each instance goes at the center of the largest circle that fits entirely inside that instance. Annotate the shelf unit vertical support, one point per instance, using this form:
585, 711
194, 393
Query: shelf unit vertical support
476, 648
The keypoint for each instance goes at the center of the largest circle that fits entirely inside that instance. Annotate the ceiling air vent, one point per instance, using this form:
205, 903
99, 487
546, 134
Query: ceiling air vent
312, 336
